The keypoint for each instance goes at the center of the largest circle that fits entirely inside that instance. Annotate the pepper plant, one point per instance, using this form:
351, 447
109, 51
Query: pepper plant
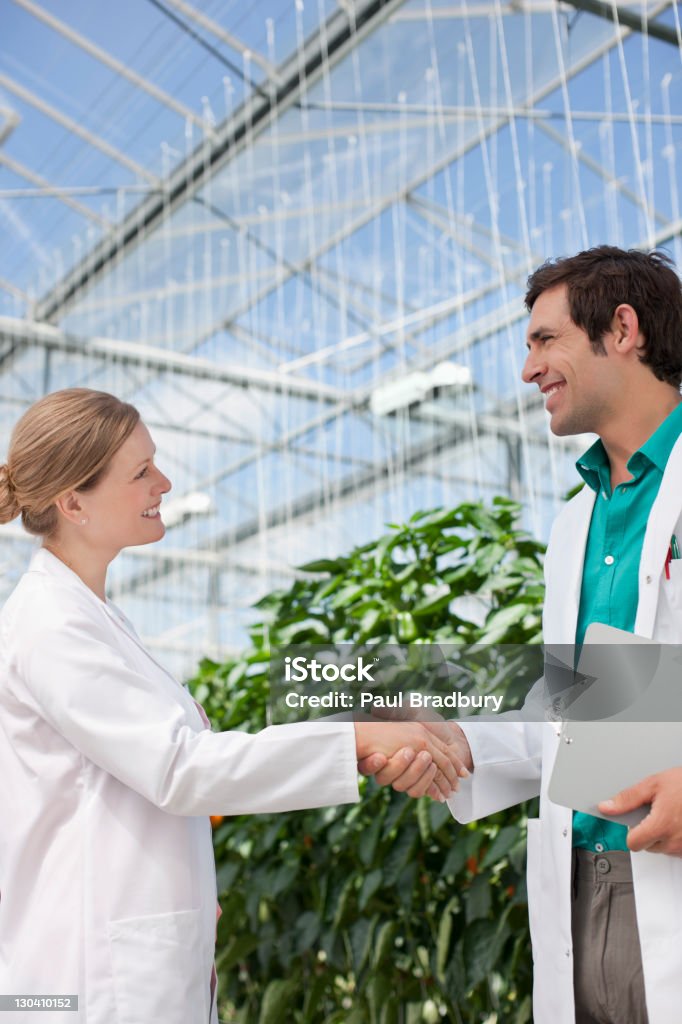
386, 911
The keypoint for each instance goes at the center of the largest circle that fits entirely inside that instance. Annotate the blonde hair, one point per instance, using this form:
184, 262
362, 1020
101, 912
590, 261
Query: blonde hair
64, 442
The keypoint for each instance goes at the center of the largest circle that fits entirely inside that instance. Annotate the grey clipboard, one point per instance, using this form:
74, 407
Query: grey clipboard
623, 725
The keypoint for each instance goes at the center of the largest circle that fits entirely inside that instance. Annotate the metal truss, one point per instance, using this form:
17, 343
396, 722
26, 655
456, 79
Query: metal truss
23, 332
113, 64
327, 47
375, 209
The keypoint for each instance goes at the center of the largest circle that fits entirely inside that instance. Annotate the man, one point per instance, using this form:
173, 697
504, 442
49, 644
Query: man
605, 348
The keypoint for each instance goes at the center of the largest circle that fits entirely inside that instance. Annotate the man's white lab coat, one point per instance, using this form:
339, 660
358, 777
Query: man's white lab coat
108, 774
513, 762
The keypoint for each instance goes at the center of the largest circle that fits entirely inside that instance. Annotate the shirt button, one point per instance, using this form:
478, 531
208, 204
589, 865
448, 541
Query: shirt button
599, 847
609, 560
602, 866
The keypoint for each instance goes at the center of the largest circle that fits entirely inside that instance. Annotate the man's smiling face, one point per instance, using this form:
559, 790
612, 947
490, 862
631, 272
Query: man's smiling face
579, 385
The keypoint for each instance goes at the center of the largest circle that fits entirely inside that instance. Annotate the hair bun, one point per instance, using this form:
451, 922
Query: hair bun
9, 506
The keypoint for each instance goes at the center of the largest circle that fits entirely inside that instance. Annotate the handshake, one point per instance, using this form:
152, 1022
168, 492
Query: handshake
420, 758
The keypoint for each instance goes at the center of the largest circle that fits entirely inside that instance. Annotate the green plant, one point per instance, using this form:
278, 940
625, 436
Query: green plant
388, 911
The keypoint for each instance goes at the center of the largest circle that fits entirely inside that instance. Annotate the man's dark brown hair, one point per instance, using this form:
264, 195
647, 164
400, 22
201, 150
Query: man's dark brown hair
600, 279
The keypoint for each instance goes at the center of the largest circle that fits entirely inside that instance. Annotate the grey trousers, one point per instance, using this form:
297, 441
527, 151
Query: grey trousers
607, 962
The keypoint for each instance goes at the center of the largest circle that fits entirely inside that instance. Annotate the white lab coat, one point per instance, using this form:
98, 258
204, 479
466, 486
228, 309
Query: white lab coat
513, 762
109, 773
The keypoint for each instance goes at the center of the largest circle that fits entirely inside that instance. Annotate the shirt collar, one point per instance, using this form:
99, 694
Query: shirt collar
659, 446
594, 465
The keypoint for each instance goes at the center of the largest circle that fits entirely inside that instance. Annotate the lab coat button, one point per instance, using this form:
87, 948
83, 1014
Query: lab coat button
648, 579
568, 952
564, 832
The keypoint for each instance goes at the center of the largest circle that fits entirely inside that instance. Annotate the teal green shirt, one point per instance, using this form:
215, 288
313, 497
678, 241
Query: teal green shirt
609, 592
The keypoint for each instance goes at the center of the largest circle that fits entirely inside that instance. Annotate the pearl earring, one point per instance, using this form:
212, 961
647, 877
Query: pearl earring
83, 522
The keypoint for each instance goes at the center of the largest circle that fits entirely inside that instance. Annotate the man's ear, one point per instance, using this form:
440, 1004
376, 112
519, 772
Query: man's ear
70, 506
625, 333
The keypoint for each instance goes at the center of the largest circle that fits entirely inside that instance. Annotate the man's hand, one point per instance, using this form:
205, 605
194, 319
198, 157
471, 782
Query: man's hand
661, 830
409, 756
406, 772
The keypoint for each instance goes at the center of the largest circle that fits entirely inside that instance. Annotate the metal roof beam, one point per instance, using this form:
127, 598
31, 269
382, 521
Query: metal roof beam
160, 95
225, 37
47, 189
77, 129
350, 487
635, 22
438, 114
132, 353
171, 558
599, 169
373, 210
324, 49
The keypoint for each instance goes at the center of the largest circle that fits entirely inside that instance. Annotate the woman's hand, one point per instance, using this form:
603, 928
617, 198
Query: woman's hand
411, 756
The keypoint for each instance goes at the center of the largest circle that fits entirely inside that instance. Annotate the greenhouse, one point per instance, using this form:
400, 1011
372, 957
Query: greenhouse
296, 236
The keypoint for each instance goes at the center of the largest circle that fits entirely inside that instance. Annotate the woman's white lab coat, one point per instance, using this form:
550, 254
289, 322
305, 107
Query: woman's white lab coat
109, 773
514, 759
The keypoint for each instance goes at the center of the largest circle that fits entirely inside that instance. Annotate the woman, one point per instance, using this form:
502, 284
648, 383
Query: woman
109, 769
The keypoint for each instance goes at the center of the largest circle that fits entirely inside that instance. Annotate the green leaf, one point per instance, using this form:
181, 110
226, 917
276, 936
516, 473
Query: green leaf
226, 875
283, 878
383, 547
500, 621
368, 842
437, 598
445, 926
479, 899
503, 842
370, 884
489, 558
361, 941
400, 854
307, 930
278, 997
347, 595
368, 622
306, 629
334, 565
439, 814
424, 819
483, 941
384, 946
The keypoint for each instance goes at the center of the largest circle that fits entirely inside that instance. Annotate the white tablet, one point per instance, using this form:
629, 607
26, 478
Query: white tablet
624, 723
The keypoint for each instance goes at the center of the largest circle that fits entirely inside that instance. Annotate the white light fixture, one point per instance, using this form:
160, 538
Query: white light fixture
416, 387
176, 511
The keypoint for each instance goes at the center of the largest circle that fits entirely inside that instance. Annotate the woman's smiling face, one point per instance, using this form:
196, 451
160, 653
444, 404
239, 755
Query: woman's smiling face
123, 508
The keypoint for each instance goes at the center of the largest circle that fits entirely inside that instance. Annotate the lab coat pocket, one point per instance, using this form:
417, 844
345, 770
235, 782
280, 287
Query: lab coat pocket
534, 883
674, 584
157, 969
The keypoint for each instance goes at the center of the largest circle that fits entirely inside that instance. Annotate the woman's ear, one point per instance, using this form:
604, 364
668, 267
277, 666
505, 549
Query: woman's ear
69, 505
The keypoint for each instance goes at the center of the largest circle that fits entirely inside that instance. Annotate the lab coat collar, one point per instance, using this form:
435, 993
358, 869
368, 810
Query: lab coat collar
44, 561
